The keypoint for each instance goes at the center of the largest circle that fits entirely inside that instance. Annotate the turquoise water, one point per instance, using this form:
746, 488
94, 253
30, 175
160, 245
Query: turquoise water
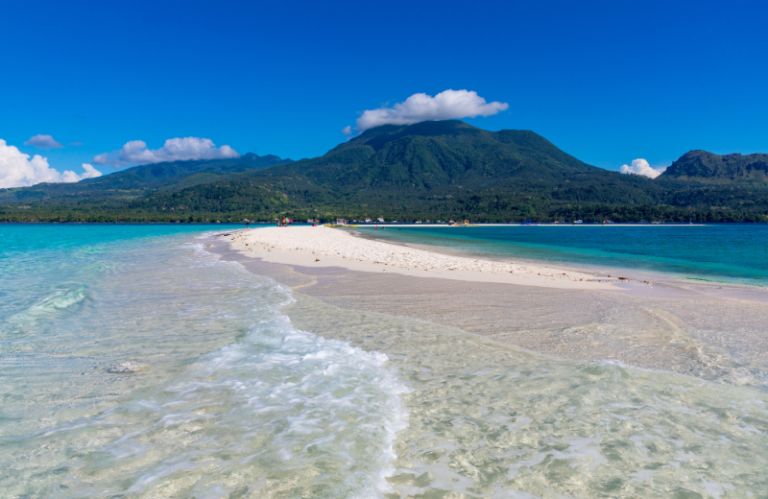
134, 363
736, 253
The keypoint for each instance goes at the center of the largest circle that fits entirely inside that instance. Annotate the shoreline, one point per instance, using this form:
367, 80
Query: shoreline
323, 247
536, 273
639, 282
670, 327
640, 345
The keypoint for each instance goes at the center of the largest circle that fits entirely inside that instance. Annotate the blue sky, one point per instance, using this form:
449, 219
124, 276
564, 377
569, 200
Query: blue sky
607, 82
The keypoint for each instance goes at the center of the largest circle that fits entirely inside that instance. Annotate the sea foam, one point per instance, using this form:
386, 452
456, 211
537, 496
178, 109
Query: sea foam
182, 377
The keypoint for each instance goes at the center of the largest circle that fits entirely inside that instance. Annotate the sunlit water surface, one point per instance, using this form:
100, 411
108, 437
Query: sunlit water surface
734, 253
134, 363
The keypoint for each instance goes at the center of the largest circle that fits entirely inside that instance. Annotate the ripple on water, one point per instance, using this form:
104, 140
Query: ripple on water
179, 377
491, 420
234, 399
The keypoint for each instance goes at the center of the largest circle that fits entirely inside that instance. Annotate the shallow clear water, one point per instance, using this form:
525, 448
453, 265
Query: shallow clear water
736, 253
490, 420
133, 363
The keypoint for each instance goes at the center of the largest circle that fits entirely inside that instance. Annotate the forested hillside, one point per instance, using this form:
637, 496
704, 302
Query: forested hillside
705, 167
131, 183
431, 170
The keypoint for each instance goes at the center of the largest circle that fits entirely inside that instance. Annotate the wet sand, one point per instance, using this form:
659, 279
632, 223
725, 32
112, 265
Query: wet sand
709, 331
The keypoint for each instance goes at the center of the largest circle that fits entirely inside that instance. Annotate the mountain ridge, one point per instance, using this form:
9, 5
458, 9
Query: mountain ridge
444, 151
703, 166
446, 166
142, 179
437, 170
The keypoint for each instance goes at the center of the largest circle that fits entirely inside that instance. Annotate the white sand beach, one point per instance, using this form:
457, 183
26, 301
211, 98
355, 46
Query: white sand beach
555, 311
318, 247
692, 342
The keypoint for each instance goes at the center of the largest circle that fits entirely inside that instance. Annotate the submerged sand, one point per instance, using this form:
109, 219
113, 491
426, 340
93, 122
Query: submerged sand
486, 419
711, 332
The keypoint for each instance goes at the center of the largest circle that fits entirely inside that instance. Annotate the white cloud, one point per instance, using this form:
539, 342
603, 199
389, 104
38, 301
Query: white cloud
641, 167
347, 130
90, 172
17, 170
135, 152
43, 142
447, 105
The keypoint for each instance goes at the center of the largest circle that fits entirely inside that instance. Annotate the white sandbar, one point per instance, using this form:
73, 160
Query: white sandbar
329, 247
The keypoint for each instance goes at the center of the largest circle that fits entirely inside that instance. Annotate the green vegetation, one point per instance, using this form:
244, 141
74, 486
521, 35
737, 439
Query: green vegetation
705, 167
427, 171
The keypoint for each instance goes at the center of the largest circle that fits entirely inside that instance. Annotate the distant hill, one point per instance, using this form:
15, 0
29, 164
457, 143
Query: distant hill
140, 180
434, 170
439, 155
448, 166
704, 166
171, 173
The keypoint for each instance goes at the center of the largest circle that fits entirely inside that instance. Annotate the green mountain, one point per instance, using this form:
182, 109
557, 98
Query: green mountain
444, 167
138, 181
703, 166
430, 170
438, 156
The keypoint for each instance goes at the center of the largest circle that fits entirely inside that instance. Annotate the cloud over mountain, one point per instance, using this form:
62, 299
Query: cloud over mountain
17, 170
641, 167
447, 105
44, 142
136, 152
